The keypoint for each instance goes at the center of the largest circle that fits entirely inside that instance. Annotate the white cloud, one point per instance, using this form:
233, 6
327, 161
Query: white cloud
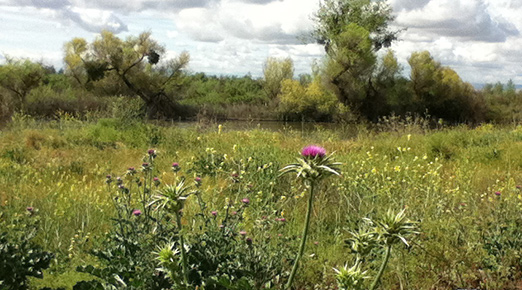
462, 19
478, 38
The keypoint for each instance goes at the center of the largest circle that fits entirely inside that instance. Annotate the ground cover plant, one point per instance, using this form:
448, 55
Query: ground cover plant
453, 195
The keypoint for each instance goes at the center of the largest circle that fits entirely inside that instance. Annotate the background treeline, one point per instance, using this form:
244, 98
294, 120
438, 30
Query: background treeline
39, 90
357, 80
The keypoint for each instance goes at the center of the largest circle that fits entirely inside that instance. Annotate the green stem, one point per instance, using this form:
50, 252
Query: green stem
183, 254
305, 234
383, 266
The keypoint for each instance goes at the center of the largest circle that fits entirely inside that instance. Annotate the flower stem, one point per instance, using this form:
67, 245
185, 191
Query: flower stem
183, 254
383, 266
305, 234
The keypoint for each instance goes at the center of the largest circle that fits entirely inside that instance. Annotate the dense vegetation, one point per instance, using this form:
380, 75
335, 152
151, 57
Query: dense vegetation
460, 186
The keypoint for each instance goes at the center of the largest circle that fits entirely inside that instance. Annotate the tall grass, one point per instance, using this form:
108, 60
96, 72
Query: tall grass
459, 184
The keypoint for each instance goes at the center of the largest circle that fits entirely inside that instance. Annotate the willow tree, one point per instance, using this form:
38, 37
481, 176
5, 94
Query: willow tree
352, 31
135, 62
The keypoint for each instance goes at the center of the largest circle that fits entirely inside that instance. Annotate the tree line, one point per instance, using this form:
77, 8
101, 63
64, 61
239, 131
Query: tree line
359, 78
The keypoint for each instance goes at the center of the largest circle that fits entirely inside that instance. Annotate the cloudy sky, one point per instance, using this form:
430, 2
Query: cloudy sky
480, 39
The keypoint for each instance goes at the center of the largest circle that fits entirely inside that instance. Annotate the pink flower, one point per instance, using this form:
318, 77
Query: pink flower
30, 209
245, 200
136, 212
214, 213
498, 193
313, 151
243, 233
151, 152
282, 220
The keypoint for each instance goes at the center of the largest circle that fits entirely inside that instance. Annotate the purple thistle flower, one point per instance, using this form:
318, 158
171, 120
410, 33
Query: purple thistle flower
155, 179
282, 220
108, 176
197, 180
175, 167
145, 164
249, 241
151, 152
313, 151
245, 200
214, 213
136, 212
132, 169
243, 233
234, 212
498, 193
30, 209
221, 226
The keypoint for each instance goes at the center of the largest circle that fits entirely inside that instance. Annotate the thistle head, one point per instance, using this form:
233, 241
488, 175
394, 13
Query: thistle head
351, 278
394, 228
313, 151
314, 165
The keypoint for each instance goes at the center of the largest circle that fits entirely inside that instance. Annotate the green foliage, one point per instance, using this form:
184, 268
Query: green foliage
19, 78
20, 256
298, 102
275, 71
440, 90
128, 260
334, 17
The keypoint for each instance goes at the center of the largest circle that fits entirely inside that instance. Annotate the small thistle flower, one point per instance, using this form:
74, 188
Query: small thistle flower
197, 180
175, 167
519, 187
156, 181
498, 193
30, 209
152, 152
131, 171
282, 220
108, 179
214, 213
249, 241
221, 226
245, 201
136, 212
119, 181
243, 233
234, 213
313, 151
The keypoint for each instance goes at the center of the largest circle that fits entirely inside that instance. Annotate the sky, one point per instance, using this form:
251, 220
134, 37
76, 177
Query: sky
480, 39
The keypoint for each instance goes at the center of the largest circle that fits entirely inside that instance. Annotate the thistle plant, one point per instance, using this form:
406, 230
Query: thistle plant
172, 199
311, 169
387, 231
351, 278
392, 229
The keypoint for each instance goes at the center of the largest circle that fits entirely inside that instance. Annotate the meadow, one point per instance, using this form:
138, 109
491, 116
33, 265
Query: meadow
70, 182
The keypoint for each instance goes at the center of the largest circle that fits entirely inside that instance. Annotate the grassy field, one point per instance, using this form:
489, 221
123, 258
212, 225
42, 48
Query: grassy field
460, 185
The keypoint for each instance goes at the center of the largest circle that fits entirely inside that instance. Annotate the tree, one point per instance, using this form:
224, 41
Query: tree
334, 16
306, 101
19, 77
352, 31
441, 91
275, 71
350, 65
135, 62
